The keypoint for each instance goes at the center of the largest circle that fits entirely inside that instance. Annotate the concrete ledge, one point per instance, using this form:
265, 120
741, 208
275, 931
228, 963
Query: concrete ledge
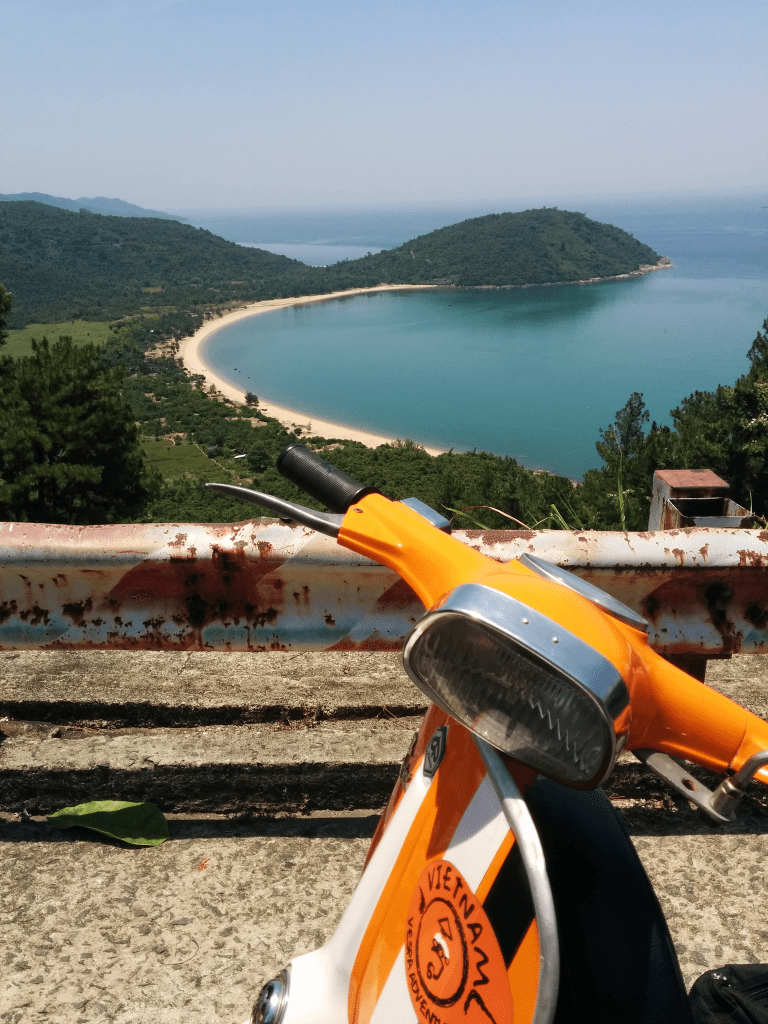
235, 769
167, 688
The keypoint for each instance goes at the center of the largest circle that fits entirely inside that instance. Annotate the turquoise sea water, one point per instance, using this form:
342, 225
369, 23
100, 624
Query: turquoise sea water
315, 254
532, 373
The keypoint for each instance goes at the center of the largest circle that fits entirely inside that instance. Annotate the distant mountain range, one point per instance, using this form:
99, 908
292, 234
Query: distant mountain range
98, 204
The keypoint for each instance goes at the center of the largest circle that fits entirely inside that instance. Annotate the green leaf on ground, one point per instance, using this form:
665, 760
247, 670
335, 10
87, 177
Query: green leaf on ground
138, 824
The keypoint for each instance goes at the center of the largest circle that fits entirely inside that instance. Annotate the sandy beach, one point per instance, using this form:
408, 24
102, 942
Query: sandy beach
190, 354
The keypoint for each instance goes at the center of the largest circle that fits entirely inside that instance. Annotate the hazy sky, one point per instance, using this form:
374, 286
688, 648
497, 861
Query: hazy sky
181, 103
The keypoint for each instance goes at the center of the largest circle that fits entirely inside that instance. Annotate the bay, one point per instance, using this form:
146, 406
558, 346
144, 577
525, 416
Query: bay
532, 373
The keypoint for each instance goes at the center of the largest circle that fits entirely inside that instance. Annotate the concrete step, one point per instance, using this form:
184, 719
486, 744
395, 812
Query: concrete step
124, 688
238, 733
167, 688
265, 769
189, 929
203, 732
260, 768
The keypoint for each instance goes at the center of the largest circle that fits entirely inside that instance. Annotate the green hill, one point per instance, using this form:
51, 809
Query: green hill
61, 265
535, 247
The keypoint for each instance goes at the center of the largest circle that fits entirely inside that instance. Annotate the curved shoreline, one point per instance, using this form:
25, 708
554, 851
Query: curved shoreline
194, 361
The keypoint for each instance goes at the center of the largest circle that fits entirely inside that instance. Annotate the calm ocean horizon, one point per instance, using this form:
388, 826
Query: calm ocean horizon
531, 373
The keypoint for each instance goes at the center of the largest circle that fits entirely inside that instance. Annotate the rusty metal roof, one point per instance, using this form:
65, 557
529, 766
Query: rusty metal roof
683, 479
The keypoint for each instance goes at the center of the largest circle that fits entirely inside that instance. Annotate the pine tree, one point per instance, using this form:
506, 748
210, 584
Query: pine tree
69, 447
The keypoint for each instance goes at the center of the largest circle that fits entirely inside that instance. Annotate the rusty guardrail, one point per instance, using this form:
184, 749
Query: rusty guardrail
270, 585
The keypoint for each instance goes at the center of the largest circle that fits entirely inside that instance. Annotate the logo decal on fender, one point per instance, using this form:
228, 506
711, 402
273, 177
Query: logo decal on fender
435, 751
454, 966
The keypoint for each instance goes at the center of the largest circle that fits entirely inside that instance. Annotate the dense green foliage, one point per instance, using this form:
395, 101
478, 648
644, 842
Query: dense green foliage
65, 266
725, 430
70, 448
534, 247
62, 265
6, 302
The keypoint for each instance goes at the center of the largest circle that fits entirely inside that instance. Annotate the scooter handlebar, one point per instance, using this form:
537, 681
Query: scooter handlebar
320, 479
672, 712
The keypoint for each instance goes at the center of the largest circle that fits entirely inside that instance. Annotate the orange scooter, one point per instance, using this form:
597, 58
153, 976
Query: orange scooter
501, 885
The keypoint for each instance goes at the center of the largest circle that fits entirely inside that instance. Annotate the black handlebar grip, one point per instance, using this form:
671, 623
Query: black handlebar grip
320, 479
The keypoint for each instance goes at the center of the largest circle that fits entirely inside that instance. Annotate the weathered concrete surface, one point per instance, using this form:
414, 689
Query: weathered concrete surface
94, 931
308, 731
185, 932
743, 678
301, 730
713, 889
156, 688
265, 768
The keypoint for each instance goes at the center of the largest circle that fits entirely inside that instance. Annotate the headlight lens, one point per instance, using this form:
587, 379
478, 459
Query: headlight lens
528, 687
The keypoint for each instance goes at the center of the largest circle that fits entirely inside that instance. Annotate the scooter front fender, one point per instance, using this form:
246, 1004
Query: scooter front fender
453, 919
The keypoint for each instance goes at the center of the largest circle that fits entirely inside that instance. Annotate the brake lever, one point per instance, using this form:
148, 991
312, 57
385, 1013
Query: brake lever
328, 523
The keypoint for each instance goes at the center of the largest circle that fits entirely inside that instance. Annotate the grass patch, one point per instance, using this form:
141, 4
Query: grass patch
81, 331
175, 460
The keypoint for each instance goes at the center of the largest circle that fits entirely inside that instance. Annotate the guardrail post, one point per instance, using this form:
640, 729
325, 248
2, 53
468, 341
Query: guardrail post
683, 498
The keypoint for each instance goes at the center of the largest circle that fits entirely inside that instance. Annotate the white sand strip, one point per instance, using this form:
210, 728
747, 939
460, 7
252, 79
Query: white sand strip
189, 351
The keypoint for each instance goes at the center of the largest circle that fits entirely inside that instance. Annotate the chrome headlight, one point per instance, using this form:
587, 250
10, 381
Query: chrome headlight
529, 687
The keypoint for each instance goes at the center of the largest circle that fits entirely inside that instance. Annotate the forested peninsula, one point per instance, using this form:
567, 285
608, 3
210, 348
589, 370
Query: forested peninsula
106, 424
547, 246
62, 265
